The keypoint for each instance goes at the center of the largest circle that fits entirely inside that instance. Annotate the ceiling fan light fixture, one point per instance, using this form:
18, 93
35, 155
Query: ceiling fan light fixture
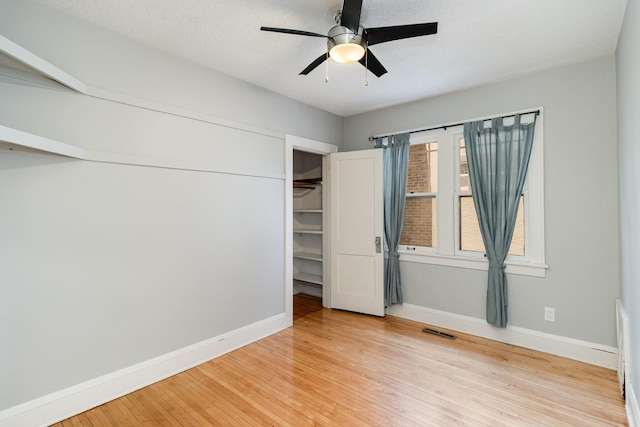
347, 53
346, 47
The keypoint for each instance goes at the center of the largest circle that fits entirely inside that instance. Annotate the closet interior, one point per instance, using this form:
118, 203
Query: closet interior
308, 224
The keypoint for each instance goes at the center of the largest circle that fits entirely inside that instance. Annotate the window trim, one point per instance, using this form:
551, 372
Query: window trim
473, 263
446, 254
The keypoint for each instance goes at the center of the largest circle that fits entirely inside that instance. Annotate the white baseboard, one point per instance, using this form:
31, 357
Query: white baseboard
632, 406
65, 403
595, 354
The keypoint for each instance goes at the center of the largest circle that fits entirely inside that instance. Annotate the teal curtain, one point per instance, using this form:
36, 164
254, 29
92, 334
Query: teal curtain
498, 158
395, 160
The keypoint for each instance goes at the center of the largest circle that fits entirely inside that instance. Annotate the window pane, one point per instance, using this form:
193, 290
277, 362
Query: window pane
422, 174
517, 242
470, 237
419, 225
464, 169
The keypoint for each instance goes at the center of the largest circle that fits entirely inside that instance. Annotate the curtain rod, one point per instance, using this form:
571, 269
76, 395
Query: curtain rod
372, 138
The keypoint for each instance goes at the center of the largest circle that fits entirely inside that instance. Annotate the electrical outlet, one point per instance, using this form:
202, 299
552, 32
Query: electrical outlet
550, 314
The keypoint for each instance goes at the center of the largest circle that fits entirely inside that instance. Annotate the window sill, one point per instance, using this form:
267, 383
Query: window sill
513, 267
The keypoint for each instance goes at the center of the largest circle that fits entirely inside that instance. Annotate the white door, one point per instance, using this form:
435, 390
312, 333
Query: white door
357, 260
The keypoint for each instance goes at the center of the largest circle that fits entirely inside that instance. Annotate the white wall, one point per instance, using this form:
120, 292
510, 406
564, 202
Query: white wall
628, 73
581, 222
107, 265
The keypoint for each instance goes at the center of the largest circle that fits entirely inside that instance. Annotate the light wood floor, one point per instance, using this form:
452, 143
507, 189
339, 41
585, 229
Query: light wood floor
344, 369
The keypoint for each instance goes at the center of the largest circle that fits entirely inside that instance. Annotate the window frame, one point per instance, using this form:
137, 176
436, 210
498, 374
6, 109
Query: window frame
447, 207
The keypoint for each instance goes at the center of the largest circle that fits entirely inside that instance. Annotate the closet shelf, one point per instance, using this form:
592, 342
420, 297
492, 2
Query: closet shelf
307, 184
307, 211
307, 255
307, 231
310, 278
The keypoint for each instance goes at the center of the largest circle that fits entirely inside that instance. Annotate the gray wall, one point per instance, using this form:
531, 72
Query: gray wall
104, 265
581, 221
109, 61
628, 67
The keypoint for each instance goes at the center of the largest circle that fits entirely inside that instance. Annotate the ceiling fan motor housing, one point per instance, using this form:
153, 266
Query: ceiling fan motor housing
344, 45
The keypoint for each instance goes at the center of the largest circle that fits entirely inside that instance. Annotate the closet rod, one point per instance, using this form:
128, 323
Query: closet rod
372, 138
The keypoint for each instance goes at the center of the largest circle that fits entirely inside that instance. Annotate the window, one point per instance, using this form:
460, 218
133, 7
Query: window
469, 236
440, 225
419, 227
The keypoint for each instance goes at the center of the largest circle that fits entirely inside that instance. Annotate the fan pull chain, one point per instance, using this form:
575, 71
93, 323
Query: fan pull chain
366, 67
326, 68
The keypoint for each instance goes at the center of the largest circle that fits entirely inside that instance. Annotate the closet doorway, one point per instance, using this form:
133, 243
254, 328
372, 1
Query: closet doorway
306, 220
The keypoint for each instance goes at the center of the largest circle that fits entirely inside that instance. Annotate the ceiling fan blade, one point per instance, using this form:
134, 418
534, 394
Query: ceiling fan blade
371, 62
387, 34
319, 60
351, 10
289, 31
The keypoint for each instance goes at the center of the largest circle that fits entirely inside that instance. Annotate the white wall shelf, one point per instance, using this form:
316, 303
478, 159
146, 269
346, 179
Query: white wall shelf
10, 138
38, 64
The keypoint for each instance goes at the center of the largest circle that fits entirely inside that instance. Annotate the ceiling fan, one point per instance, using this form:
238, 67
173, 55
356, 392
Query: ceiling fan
349, 42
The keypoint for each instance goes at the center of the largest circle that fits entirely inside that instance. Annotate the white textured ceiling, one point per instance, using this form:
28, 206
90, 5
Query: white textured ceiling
477, 42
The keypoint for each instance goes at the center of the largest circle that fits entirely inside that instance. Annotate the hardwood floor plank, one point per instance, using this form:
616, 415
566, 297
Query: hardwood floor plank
250, 412
345, 369
305, 304
154, 412
299, 379
202, 402
121, 413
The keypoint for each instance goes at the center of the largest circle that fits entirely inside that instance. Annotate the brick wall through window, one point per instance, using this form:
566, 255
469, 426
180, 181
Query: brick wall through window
419, 226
